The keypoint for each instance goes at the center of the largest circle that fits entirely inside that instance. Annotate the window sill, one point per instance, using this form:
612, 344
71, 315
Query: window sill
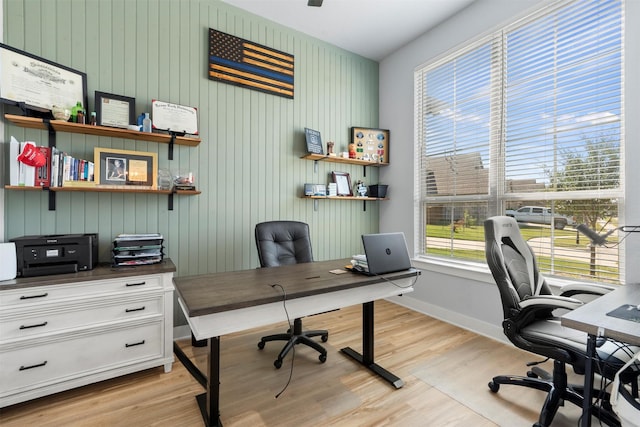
477, 272
468, 270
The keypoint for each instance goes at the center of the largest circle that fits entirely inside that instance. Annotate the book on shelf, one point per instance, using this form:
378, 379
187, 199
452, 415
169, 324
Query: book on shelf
80, 184
43, 173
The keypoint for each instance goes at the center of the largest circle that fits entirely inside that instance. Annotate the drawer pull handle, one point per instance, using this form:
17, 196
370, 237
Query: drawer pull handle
33, 326
24, 368
35, 296
129, 310
136, 284
134, 344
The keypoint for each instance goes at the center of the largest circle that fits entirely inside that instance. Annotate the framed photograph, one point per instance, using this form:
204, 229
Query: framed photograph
371, 145
343, 182
35, 84
125, 168
115, 110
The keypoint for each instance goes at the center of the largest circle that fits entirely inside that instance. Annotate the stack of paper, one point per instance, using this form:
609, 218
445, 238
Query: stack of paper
333, 189
137, 249
360, 261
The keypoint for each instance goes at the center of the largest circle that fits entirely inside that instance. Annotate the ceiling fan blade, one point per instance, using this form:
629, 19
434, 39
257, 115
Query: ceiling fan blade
316, 3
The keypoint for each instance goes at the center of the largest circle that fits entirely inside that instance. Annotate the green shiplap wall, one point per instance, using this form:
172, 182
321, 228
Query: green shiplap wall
248, 165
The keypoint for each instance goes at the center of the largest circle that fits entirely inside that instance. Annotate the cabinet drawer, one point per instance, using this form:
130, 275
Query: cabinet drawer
66, 317
32, 367
55, 293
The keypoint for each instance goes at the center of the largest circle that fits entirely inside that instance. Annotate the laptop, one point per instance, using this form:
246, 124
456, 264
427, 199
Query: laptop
386, 253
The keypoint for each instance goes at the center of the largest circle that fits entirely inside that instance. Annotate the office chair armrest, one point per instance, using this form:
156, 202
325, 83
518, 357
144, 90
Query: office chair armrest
578, 288
550, 301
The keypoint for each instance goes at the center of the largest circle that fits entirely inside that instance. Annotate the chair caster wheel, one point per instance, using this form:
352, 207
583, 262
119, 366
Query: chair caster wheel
494, 387
261, 345
531, 374
277, 363
324, 337
323, 358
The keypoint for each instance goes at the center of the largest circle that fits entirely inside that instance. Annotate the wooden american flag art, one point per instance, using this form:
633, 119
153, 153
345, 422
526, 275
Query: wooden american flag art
243, 63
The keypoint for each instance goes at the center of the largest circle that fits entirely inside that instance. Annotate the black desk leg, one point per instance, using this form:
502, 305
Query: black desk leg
209, 402
588, 381
366, 358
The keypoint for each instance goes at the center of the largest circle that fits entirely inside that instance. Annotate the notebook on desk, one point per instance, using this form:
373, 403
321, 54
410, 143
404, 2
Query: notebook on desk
386, 253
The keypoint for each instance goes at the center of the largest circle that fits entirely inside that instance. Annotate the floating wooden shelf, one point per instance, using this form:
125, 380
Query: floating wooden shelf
97, 189
336, 159
54, 126
364, 199
69, 127
90, 189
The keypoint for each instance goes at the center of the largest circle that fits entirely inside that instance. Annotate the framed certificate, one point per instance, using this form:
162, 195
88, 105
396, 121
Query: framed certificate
174, 118
36, 84
115, 110
343, 183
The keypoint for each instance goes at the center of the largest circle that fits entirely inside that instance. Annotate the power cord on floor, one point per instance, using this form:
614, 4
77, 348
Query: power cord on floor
293, 349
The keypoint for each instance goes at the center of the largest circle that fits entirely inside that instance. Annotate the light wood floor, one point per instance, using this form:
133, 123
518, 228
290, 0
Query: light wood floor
338, 392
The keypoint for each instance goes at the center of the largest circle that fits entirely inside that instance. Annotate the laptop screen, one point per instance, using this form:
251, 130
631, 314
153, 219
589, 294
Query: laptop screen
386, 252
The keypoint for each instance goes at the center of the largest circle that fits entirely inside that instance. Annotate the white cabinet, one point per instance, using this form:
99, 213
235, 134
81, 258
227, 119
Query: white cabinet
64, 331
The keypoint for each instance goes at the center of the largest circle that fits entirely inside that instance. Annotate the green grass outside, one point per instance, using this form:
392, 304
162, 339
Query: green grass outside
564, 238
567, 238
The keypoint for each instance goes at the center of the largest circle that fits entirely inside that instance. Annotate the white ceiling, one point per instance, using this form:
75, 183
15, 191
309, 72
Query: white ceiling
371, 28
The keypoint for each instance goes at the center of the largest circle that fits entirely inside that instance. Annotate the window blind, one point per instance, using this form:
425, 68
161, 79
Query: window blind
530, 115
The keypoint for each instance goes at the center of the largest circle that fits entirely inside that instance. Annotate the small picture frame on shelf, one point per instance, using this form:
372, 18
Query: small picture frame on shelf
115, 110
371, 145
343, 182
125, 169
314, 141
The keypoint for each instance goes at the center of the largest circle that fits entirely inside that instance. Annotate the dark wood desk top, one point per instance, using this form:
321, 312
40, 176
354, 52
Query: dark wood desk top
592, 317
102, 271
217, 292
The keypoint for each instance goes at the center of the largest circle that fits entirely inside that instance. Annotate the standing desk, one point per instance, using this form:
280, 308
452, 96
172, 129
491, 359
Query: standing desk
592, 318
223, 303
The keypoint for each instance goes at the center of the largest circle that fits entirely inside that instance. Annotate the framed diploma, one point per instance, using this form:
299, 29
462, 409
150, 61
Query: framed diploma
36, 84
343, 182
115, 110
174, 118
125, 168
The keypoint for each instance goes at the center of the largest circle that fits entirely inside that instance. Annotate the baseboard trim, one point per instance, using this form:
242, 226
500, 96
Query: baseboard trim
181, 331
465, 322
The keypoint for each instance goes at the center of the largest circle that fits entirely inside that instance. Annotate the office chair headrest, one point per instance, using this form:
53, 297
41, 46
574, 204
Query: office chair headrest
504, 230
283, 243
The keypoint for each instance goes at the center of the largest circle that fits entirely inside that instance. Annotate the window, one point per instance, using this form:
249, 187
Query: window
526, 122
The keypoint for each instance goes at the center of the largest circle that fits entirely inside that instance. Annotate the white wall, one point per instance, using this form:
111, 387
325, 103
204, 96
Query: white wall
470, 299
2, 157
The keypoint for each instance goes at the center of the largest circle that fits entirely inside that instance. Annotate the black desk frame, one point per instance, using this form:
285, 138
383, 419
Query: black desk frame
209, 402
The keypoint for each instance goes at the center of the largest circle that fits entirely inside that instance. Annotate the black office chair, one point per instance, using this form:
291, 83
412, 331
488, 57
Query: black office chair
284, 243
530, 324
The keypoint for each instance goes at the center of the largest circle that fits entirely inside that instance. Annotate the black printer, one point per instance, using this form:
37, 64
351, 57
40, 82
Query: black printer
55, 254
